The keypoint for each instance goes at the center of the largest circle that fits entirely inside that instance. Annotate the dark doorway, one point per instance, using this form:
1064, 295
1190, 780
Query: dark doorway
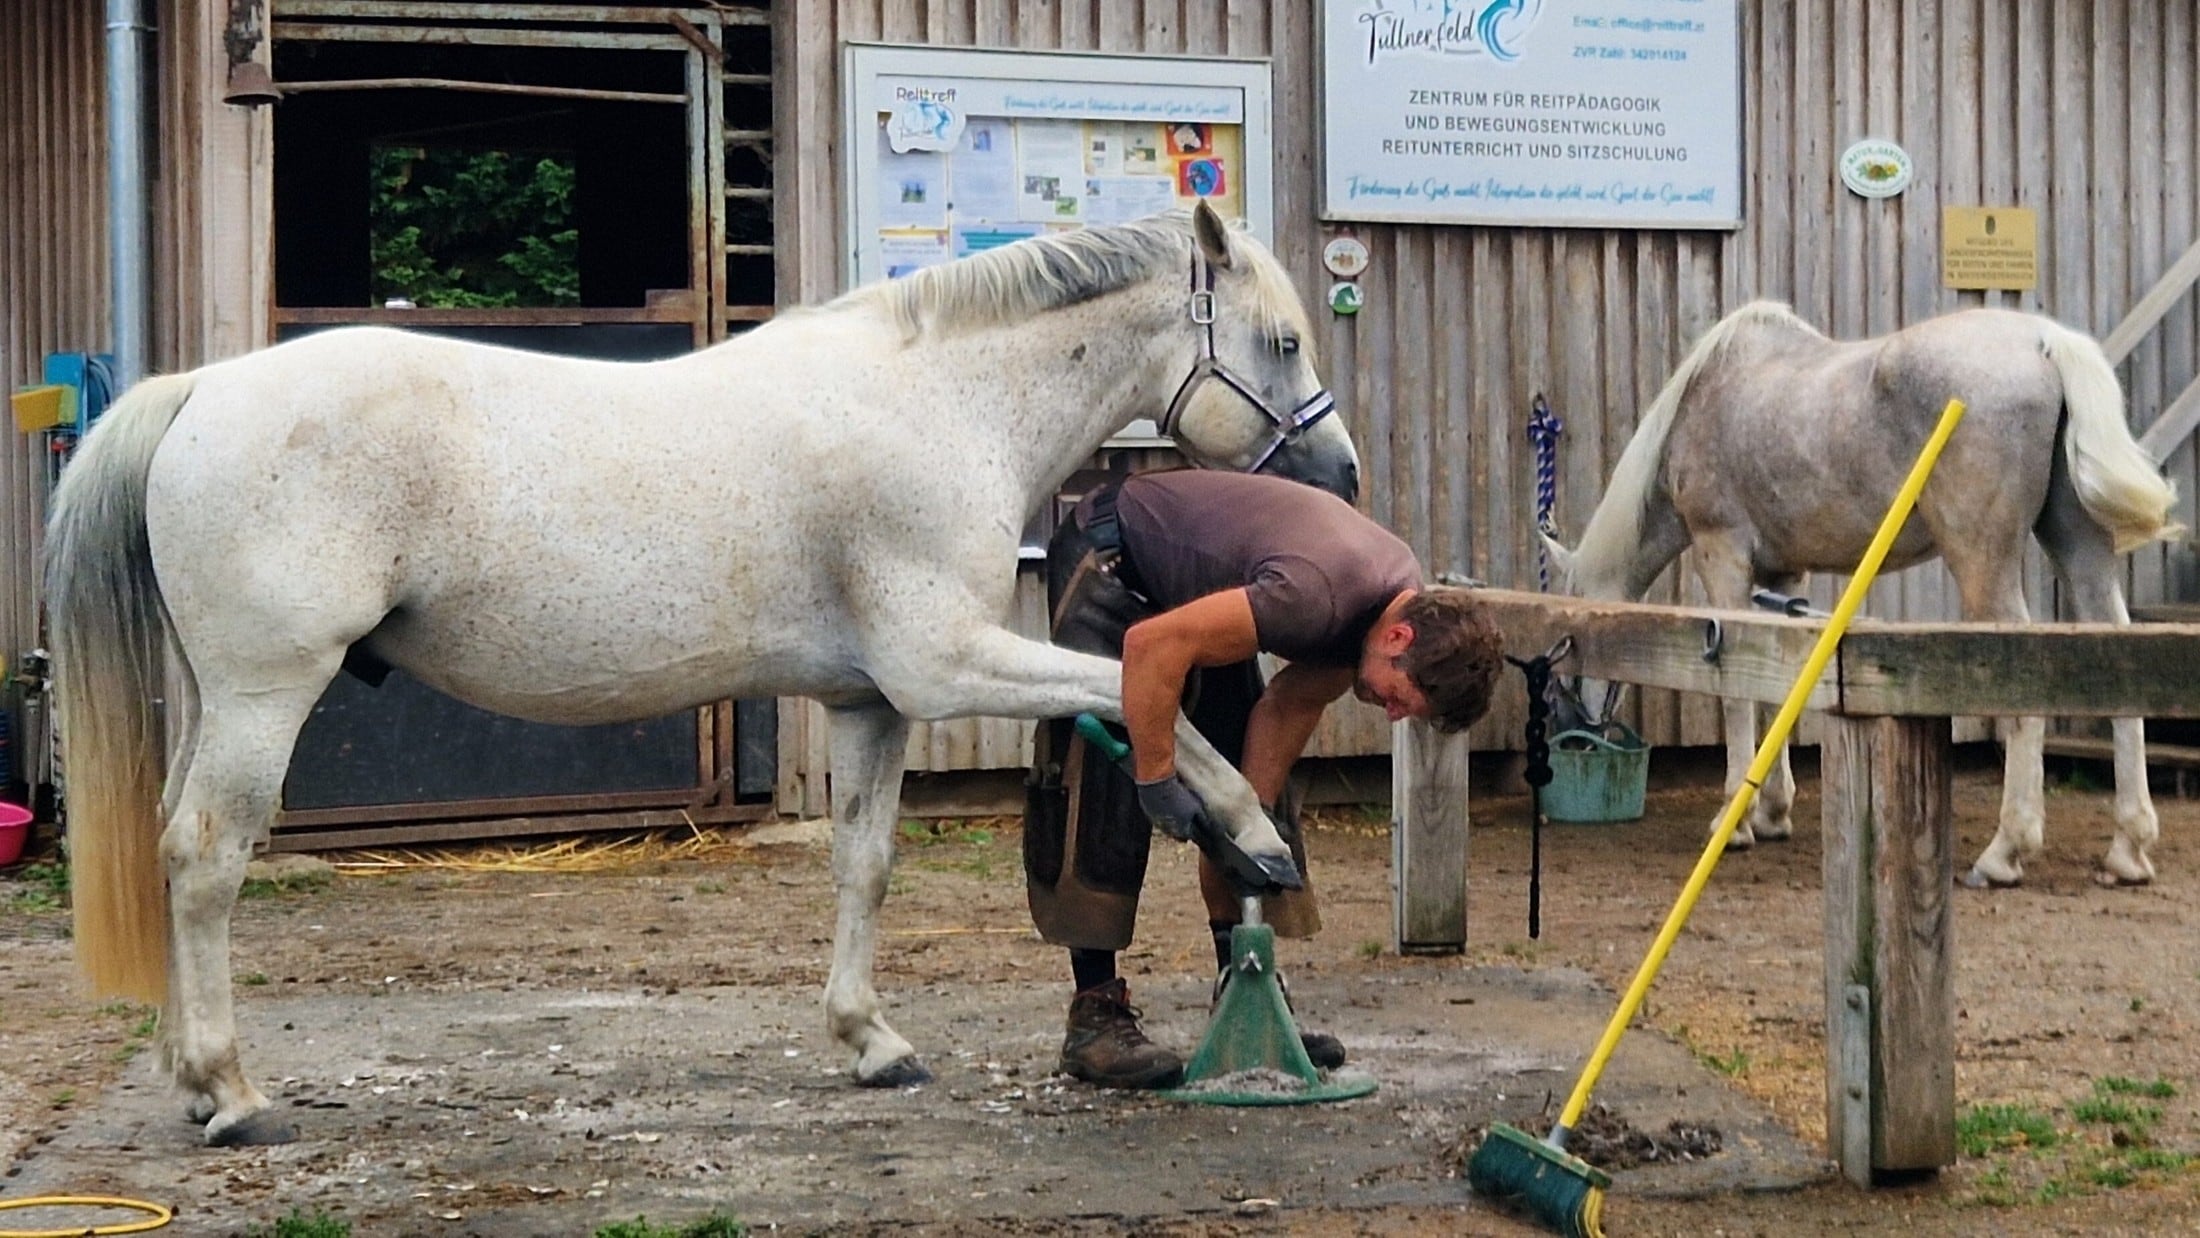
538, 186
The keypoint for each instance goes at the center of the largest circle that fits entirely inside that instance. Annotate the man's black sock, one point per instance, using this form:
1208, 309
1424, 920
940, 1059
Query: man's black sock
1091, 968
1221, 930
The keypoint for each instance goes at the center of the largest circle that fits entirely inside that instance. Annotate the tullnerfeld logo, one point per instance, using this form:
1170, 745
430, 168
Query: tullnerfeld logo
1492, 28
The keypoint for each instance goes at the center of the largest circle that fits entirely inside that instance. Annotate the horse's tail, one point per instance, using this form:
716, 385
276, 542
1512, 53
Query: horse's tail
2116, 480
1614, 531
109, 630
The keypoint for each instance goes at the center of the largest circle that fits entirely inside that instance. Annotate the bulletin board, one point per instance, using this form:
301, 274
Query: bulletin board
952, 151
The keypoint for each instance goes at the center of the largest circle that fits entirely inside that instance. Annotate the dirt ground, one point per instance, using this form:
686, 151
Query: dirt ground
2079, 1013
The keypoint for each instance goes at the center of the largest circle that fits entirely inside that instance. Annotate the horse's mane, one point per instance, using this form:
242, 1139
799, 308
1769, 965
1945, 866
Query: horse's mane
1053, 270
1615, 529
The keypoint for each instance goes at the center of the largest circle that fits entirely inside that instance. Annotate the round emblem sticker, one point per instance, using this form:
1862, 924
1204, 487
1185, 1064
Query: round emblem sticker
1875, 168
1345, 256
1345, 298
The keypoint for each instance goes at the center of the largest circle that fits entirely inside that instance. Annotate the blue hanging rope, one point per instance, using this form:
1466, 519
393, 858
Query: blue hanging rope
1543, 431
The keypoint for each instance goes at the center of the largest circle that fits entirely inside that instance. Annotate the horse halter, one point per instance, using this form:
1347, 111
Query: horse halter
1283, 427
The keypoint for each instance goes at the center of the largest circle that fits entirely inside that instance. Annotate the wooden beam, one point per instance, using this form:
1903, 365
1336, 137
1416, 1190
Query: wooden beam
2065, 670
1889, 871
476, 36
440, 10
675, 310
484, 88
2175, 424
1663, 646
2078, 670
2149, 309
1429, 838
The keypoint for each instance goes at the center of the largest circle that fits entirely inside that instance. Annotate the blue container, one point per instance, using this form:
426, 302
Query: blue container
1595, 780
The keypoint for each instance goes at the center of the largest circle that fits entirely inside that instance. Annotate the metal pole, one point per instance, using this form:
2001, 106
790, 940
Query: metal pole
129, 232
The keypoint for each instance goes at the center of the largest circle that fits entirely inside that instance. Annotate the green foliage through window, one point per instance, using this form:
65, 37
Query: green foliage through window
473, 229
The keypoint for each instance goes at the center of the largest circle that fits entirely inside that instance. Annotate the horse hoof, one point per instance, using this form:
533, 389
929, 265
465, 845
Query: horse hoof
2117, 881
1977, 879
1249, 873
905, 1073
254, 1130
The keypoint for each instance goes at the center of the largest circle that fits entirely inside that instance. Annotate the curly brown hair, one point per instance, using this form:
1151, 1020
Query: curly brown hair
1456, 655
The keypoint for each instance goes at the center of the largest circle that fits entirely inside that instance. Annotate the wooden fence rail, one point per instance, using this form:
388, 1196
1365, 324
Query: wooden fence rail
1888, 827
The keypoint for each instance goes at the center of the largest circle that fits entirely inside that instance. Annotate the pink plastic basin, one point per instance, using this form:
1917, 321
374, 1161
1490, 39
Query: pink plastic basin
15, 830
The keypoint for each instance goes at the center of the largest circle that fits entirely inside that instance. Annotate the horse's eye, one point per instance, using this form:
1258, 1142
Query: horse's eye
1288, 345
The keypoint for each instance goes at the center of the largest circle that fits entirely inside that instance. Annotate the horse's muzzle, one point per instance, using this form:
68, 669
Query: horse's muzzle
1323, 470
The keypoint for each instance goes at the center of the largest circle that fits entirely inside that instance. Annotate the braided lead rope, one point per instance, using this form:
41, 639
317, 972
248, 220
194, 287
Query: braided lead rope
1543, 431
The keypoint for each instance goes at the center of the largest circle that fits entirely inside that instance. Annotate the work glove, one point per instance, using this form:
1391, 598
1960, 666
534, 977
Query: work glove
1173, 808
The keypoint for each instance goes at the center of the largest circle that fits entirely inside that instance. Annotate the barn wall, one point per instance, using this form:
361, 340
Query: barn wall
53, 266
1999, 102
2056, 107
54, 273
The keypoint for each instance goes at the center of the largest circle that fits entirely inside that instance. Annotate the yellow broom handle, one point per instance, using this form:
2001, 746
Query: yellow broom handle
1822, 652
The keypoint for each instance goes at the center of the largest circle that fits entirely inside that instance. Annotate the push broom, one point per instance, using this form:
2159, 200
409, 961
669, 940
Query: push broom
1560, 1189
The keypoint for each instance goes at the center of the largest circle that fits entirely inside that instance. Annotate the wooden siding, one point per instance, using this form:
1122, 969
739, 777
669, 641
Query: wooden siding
53, 269
1999, 102
209, 221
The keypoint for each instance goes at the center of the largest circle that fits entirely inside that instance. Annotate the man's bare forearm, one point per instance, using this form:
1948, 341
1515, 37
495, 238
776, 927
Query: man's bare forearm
1282, 722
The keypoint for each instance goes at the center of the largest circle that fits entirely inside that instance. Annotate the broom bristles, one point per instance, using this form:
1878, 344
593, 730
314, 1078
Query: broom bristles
1558, 1189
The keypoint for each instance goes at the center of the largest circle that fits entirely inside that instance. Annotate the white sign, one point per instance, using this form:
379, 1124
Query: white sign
1874, 168
953, 151
1345, 256
1581, 113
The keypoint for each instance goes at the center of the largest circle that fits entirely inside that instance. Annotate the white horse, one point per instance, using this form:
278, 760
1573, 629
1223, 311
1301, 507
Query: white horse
1774, 451
828, 506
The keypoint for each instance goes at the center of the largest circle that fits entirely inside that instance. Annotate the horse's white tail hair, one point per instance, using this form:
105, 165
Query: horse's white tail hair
1614, 532
109, 630
2117, 482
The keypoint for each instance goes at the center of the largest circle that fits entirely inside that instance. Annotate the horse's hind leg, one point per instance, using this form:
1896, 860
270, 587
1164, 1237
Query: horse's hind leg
229, 795
1990, 581
1722, 566
868, 743
2087, 559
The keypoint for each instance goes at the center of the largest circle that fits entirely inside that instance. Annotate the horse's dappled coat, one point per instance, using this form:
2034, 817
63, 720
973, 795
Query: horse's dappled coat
1773, 451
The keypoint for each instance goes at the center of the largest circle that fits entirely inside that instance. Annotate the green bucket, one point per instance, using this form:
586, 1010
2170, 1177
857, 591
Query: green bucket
1595, 780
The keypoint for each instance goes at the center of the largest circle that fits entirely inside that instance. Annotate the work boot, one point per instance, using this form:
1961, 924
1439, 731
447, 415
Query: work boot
1325, 1051
1105, 1045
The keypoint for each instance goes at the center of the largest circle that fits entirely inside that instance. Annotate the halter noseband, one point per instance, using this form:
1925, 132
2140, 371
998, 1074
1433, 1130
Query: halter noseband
1282, 427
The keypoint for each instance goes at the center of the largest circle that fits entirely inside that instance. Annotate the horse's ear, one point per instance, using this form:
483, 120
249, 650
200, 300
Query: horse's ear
1561, 559
1213, 234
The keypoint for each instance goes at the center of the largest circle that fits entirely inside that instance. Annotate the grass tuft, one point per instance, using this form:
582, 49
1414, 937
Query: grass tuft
296, 1224
1989, 1128
716, 1225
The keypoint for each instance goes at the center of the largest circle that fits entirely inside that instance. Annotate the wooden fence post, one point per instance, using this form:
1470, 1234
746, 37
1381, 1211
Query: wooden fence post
1428, 830
1889, 838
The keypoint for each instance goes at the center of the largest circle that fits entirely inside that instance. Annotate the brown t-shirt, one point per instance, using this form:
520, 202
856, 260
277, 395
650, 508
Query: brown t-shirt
1318, 572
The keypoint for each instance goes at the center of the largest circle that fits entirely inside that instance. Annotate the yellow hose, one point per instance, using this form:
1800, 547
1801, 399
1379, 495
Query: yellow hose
156, 1215
1822, 652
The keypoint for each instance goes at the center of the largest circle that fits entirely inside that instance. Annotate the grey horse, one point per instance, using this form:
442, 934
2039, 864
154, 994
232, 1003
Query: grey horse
1774, 451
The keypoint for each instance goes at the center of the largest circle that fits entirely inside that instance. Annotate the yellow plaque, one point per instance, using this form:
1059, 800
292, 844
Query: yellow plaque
1989, 247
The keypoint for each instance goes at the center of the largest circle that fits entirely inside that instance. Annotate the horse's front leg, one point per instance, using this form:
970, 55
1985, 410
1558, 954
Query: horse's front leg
868, 744
992, 671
